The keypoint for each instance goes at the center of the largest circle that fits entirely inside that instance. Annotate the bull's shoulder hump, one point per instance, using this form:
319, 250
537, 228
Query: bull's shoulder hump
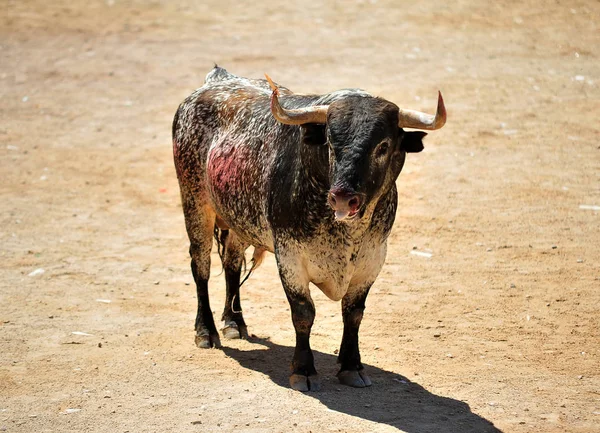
341, 94
218, 74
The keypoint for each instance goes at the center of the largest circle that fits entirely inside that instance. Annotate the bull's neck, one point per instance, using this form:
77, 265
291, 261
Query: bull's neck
314, 160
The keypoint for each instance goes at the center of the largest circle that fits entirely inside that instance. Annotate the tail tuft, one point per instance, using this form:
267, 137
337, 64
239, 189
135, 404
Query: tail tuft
257, 258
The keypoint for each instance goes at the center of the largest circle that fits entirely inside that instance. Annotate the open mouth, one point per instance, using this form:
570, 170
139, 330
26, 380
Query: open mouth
345, 215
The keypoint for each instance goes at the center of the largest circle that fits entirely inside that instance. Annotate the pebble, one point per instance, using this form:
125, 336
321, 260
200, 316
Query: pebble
37, 272
421, 254
74, 410
589, 207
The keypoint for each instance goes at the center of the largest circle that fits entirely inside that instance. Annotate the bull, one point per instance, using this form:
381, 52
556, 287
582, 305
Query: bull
310, 178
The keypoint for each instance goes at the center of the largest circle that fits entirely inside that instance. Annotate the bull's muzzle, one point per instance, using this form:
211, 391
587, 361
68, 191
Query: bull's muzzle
345, 203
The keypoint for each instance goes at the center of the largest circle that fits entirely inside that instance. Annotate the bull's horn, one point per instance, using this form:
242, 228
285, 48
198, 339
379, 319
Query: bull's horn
298, 116
417, 120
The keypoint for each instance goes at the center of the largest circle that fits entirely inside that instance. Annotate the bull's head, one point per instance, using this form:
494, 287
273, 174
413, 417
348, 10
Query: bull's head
367, 144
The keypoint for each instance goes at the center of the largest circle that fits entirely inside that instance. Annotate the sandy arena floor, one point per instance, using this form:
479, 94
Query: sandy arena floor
498, 331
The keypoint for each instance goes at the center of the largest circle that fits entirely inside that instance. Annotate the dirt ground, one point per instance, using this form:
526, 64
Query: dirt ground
499, 330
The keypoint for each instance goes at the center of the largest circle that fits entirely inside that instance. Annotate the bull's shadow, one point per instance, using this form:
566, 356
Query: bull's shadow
392, 400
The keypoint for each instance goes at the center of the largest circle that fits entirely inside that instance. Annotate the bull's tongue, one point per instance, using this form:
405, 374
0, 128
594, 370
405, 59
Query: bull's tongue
341, 214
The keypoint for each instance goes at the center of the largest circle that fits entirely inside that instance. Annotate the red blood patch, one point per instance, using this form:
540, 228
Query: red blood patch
225, 167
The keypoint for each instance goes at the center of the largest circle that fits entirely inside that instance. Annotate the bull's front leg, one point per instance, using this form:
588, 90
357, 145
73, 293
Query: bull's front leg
304, 375
351, 369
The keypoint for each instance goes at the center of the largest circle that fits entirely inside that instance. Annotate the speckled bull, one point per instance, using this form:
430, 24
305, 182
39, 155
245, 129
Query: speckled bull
310, 178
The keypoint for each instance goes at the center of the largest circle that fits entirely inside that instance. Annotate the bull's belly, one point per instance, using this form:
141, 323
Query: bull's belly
250, 232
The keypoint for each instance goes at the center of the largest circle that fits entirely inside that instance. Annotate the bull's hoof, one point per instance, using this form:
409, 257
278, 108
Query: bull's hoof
232, 331
356, 379
305, 383
206, 341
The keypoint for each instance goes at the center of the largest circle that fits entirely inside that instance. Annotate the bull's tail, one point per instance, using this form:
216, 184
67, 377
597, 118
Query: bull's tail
220, 239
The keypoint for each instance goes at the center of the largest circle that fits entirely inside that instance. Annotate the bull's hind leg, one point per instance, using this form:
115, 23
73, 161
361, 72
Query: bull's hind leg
351, 369
199, 222
233, 259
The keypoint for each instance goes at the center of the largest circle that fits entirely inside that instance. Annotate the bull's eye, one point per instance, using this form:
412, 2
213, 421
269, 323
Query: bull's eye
382, 148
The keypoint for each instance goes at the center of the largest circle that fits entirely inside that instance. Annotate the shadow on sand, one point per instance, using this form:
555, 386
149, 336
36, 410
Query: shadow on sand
392, 400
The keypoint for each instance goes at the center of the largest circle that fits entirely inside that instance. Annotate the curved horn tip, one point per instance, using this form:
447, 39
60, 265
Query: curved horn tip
441, 111
271, 83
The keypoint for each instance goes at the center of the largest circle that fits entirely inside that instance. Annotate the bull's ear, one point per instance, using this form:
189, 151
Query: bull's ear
313, 134
412, 142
